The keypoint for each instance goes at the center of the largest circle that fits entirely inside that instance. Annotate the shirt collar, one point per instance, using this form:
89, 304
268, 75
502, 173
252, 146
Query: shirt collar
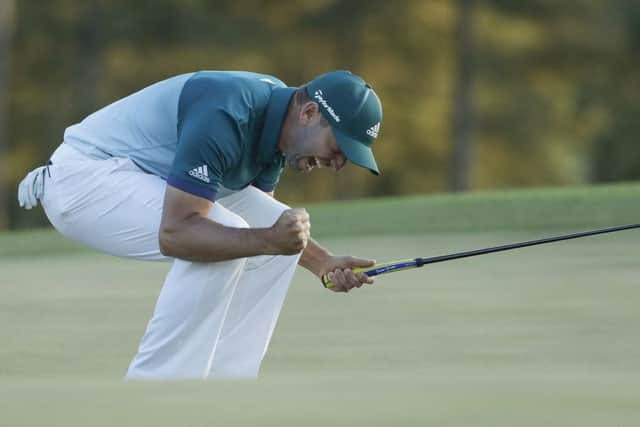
274, 119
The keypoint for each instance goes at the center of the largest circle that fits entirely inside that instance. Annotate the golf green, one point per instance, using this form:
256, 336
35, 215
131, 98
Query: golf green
542, 335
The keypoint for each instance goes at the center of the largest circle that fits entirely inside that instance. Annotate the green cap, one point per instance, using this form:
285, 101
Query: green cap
354, 111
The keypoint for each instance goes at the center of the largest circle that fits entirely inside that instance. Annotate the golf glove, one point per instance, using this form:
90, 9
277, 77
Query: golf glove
31, 188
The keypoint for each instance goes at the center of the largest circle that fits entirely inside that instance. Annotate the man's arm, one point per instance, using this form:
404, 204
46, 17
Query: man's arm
187, 233
315, 257
320, 261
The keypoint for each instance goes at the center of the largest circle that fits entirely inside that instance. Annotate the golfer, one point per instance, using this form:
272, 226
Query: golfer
185, 170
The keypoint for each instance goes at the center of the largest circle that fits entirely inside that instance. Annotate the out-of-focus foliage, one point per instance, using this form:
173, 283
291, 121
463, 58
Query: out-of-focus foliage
555, 85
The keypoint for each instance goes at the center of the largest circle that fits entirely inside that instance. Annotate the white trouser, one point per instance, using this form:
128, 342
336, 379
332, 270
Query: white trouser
211, 319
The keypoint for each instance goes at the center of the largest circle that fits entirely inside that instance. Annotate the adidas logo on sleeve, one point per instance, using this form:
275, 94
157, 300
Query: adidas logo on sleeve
200, 173
373, 130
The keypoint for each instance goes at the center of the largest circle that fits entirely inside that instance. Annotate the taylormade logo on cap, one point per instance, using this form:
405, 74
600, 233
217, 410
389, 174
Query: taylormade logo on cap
318, 95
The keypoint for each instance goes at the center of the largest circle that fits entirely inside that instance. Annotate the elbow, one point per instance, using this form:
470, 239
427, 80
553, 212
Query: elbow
166, 240
175, 238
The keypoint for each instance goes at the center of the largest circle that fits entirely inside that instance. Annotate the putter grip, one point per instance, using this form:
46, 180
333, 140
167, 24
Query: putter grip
376, 269
329, 284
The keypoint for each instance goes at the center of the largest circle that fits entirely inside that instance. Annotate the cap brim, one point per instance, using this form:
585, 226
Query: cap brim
357, 153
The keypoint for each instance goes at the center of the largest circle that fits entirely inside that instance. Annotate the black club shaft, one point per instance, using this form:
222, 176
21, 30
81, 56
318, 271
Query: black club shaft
423, 261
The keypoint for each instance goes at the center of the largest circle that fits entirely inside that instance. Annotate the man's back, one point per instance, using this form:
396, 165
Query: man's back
144, 125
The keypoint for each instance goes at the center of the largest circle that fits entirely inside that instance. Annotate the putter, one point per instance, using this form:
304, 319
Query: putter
407, 264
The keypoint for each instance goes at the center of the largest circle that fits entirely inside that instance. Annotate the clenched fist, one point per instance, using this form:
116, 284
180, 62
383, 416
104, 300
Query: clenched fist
290, 233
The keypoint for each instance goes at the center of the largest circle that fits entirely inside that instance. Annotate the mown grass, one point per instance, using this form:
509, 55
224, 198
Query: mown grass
540, 336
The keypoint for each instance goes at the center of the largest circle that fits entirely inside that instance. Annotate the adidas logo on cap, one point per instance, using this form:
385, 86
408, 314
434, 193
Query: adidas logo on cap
373, 130
200, 173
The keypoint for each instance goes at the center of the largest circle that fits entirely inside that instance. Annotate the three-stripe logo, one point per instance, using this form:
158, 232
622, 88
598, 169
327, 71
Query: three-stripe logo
200, 173
373, 130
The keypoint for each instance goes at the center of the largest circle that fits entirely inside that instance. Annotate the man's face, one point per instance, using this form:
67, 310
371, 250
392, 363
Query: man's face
314, 145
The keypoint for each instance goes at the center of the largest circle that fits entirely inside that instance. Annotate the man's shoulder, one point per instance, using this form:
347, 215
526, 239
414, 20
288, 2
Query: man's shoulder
239, 93
236, 76
234, 82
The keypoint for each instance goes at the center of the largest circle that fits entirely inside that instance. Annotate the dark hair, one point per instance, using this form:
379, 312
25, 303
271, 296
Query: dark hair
301, 96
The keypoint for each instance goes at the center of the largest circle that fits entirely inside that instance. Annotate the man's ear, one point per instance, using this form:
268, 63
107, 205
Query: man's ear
309, 112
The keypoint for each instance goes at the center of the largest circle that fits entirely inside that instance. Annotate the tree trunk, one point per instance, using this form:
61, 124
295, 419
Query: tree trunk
348, 50
7, 14
91, 56
462, 126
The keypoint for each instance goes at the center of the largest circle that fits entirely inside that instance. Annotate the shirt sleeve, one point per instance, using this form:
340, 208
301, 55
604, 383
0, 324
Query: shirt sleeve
208, 145
269, 177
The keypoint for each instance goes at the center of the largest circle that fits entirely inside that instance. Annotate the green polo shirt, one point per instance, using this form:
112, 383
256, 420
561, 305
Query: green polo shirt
228, 128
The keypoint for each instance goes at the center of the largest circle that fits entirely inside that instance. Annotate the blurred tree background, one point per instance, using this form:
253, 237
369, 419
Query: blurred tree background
477, 94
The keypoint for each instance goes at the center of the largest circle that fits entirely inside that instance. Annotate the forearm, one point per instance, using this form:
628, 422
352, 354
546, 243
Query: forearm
203, 240
314, 257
